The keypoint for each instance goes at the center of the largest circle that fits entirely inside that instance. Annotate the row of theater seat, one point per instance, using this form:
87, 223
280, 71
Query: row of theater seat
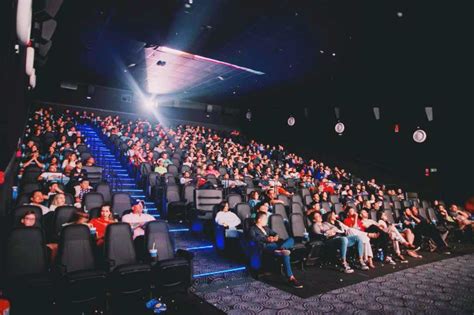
80, 277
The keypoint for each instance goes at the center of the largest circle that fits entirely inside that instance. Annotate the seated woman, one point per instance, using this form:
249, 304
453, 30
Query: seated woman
353, 226
405, 237
227, 219
29, 220
59, 200
100, 223
80, 218
336, 237
254, 198
382, 239
269, 241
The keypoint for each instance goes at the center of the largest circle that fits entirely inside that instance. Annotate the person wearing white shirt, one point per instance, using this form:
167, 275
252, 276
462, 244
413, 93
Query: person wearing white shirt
227, 219
137, 219
37, 199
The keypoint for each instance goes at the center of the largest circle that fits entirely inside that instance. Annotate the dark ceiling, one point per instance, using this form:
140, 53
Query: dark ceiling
385, 53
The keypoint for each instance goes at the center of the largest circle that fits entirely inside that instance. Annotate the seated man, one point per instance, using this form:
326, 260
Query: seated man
80, 190
271, 198
53, 190
160, 167
227, 219
269, 241
137, 219
53, 175
420, 227
335, 236
37, 198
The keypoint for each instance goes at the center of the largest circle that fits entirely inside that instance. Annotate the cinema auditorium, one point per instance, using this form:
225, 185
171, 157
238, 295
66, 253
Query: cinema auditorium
236, 157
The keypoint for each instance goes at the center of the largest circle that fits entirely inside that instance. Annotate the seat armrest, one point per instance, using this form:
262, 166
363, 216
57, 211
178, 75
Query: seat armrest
185, 254
108, 264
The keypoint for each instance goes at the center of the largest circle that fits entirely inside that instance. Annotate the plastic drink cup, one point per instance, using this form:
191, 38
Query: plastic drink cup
153, 252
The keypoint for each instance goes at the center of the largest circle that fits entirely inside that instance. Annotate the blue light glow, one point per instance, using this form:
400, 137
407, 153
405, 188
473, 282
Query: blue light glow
200, 247
179, 230
219, 272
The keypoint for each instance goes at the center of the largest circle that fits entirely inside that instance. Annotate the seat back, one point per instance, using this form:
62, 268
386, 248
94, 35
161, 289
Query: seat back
69, 199
105, 191
157, 234
386, 205
285, 199
397, 205
423, 213
425, 204
93, 200
326, 206
233, 200
373, 215
297, 225
432, 214
94, 174
75, 252
28, 188
23, 199
412, 195
20, 211
279, 209
308, 200
121, 203
119, 249
188, 193
172, 195
277, 224
63, 214
334, 199
304, 192
296, 207
243, 211
206, 199
389, 215
297, 199
173, 169
338, 208
25, 252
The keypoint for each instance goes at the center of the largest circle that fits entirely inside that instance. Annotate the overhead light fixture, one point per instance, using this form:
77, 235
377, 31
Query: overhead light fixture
291, 121
334, 54
339, 128
248, 115
220, 78
132, 65
149, 103
377, 113
429, 113
419, 136
400, 14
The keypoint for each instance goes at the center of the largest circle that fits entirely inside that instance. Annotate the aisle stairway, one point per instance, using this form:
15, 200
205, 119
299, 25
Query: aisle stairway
207, 262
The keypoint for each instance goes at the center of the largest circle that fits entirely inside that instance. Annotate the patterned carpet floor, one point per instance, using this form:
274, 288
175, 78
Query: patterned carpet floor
441, 287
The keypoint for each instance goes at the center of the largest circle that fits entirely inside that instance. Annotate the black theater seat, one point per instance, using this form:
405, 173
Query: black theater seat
28, 283
128, 278
81, 284
171, 271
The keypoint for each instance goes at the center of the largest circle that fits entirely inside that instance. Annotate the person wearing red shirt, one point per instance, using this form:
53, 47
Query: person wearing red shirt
101, 223
352, 220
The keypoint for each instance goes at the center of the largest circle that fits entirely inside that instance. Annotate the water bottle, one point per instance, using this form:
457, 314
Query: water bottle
380, 255
306, 236
14, 192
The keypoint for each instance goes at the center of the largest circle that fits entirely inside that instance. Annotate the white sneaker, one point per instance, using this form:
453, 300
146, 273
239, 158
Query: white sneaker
346, 268
363, 266
390, 261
